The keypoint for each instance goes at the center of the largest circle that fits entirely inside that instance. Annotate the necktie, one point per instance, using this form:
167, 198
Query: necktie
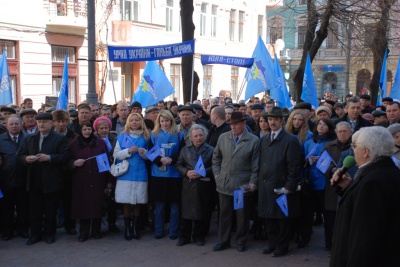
237, 138
40, 142
15, 139
272, 137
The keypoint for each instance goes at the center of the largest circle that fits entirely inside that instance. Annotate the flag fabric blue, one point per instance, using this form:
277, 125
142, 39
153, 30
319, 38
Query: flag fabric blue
153, 153
309, 91
238, 199
62, 102
199, 168
313, 151
260, 76
395, 92
282, 203
127, 142
154, 86
383, 80
1, 194
279, 92
324, 162
5, 85
102, 162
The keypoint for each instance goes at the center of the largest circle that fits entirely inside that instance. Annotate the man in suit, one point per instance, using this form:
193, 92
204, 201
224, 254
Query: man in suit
235, 165
44, 153
353, 115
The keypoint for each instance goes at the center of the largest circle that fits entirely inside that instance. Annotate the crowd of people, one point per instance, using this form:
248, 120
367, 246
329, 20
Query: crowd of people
255, 156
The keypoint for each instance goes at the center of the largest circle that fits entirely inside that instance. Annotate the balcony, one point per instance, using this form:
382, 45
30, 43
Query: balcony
322, 53
67, 16
274, 4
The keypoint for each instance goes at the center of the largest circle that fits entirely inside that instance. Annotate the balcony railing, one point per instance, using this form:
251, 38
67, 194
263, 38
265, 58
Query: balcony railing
76, 8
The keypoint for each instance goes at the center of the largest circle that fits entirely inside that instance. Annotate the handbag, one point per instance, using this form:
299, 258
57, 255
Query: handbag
119, 168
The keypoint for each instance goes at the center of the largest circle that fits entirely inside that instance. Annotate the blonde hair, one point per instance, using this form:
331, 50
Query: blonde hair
302, 135
168, 116
143, 127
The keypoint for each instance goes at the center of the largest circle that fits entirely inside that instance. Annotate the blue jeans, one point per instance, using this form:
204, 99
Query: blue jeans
160, 218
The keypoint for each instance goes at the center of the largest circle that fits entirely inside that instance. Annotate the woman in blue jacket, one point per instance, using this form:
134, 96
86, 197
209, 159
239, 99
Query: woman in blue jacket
166, 181
324, 132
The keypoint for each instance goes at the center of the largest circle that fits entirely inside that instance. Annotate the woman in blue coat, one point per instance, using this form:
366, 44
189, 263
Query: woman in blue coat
131, 189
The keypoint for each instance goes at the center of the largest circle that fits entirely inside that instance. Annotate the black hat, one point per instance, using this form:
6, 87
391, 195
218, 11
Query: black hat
303, 105
331, 102
237, 116
257, 106
182, 108
44, 116
151, 109
136, 104
8, 109
196, 106
276, 112
365, 96
236, 105
389, 99
73, 113
27, 111
378, 113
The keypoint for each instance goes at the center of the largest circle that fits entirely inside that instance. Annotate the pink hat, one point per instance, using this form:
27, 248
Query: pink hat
100, 119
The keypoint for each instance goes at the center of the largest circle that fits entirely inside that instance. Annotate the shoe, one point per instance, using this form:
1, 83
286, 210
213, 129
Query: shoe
50, 240
221, 246
200, 243
158, 236
24, 234
71, 231
241, 247
113, 228
96, 235
302, 243
7, 237
33, 240
128, 234
173, 237
182, 242
278, 253
82, 238
268, 250
135, 231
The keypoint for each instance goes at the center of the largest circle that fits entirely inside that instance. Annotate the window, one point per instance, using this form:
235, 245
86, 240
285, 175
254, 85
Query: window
241, 25
207, 80
214, 10
301, 36
275, 29
129, 10
175, 78
57, 57
9, 46
169, 15
232, 25
260, 25
332, 39
234, 81
302, 2
203, 19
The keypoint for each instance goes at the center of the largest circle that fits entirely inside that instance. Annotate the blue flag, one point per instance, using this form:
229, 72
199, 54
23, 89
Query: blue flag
153, 153
309, 91
102, 162
260, 76
200, 169
238, 199
154, 86
279, 92
395, 92
382, 80
324, 162
314, 151
282, 203
126, 142
1, 194
5, 85
62, 102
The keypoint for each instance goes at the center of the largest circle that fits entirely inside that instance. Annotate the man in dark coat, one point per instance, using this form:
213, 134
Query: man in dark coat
279, 170
45, 154
84, 114
13, 181
367, 231
353, 115
392, 114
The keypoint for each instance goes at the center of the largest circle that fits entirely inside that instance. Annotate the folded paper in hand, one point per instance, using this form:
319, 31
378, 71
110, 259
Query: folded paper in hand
153, 153
238, 199
199, 169
282, 203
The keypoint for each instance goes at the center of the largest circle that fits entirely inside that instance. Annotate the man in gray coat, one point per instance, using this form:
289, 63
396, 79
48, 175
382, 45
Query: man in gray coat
235, 164
279, 170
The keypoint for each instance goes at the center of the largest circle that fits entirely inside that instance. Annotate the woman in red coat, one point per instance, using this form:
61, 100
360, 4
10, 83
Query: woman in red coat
88, 183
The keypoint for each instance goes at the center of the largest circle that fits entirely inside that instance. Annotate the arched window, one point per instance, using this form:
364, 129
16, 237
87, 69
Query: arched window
363, 81
329, 83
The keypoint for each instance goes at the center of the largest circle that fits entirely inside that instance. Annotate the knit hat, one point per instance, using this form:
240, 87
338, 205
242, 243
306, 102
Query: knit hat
323, 108
100, 119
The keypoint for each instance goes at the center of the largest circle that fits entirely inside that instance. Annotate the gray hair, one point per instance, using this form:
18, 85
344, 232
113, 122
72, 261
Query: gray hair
376, 139
197, 127
343, 123
13, 116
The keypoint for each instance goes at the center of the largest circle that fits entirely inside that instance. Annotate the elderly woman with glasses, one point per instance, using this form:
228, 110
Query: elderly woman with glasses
367, 228
394, 129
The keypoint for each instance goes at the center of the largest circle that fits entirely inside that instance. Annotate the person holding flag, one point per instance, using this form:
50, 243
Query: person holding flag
89, 180
194, 164
131, 189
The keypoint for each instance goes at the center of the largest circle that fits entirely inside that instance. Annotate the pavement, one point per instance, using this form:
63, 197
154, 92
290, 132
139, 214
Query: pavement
114, 250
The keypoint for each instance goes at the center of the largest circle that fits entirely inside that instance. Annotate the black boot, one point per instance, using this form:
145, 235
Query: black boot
135, 231
128, 234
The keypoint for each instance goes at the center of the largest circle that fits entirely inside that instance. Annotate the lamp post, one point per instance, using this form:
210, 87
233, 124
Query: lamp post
91, 96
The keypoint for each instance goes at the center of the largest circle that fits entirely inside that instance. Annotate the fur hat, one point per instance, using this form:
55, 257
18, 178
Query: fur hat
60, 115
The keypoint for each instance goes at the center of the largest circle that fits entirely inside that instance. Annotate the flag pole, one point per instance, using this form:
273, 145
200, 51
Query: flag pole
243, 84
191, 86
